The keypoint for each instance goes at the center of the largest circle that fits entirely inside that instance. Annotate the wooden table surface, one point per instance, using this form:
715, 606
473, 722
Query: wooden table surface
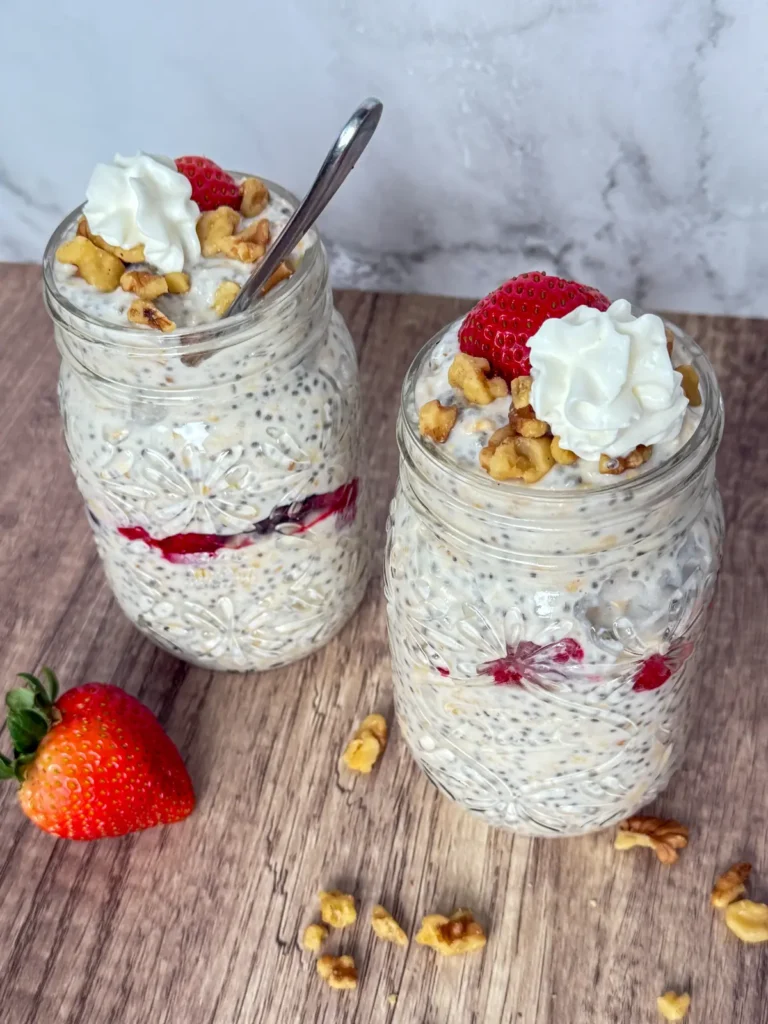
197, 923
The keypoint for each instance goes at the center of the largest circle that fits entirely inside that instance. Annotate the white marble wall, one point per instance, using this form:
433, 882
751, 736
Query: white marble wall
622, 142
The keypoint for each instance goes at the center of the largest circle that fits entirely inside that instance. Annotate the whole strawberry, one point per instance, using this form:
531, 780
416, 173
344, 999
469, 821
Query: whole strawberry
94, 762
212, 187
501, 325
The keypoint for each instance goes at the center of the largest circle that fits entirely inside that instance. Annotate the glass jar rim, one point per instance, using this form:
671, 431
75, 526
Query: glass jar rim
183, 340
701, 445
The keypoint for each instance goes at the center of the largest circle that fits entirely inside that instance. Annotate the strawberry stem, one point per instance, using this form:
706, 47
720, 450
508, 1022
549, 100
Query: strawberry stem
31, 713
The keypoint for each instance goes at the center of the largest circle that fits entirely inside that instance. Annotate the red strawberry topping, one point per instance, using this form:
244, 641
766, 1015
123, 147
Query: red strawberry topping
181, 548
652, 674
658, 668
211, 186
529, 660
501, 324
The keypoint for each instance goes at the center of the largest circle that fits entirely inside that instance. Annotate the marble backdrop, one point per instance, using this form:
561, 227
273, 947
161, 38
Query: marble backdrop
622, 142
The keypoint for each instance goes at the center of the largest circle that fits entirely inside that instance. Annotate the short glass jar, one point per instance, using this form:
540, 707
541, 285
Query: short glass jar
543, 640
219, 465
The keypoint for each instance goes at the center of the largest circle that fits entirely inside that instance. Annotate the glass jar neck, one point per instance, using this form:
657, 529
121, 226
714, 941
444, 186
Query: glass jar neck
543, 527
273, 337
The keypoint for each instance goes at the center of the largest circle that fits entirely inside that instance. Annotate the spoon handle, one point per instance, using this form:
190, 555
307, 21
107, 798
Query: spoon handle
341, 158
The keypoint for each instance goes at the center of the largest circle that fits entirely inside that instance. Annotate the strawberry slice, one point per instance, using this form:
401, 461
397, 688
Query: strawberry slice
212, 187
501, 325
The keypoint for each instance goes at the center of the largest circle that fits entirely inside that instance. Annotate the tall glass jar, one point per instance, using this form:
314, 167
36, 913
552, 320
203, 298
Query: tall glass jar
543, 640
219, 467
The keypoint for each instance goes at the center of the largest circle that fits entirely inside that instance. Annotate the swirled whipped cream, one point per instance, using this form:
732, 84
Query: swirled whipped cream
604, 381
143, 200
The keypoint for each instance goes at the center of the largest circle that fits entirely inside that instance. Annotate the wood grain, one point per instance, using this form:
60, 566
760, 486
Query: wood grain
197, 923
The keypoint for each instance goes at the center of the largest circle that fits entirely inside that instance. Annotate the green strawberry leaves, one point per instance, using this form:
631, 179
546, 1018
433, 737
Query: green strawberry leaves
43, 697
31, 713
26, 729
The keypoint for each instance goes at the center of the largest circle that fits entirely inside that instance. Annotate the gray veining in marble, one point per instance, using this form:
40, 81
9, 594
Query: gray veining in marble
621, 142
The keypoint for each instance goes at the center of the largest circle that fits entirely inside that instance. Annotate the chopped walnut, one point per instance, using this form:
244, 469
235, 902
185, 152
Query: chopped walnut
377, 724
639, 455
498, 387
502, 462
314, 937
664, 835
524, 422
670, 340
690, 384
178, 283
673, 1006
213, 226
142, 312
337, 908
339, 971
468, 374
364, 749
611, 465
96, 266
519, 458
501, 435
538, 452
234, 247
436, 421
562, 455
133, 255
386, 927
145, 284
362, 752
224, 296
258, 232
282, 272
730, 885
254, 197
748, 920
620, 464
262, 231
497, 438
453, 935
520, 389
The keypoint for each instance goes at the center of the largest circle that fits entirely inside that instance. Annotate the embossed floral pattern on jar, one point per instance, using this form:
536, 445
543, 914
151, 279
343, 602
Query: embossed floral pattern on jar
220, 469
544, 641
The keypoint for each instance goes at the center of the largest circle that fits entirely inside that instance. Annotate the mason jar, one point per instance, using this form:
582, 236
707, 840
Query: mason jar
219, 465
544, 640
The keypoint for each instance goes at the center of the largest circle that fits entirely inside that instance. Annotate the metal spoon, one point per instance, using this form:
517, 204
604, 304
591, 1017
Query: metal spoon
342, 157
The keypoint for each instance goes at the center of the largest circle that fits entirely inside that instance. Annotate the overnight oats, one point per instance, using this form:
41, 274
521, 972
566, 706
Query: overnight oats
553, 549
218, 458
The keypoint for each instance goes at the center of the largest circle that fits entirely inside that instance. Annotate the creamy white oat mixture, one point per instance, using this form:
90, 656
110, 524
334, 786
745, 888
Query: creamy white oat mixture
223, 491
541, 648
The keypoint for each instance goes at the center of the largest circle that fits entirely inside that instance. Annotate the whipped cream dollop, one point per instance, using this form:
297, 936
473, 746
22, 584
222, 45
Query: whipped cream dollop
604, 381
144, 200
